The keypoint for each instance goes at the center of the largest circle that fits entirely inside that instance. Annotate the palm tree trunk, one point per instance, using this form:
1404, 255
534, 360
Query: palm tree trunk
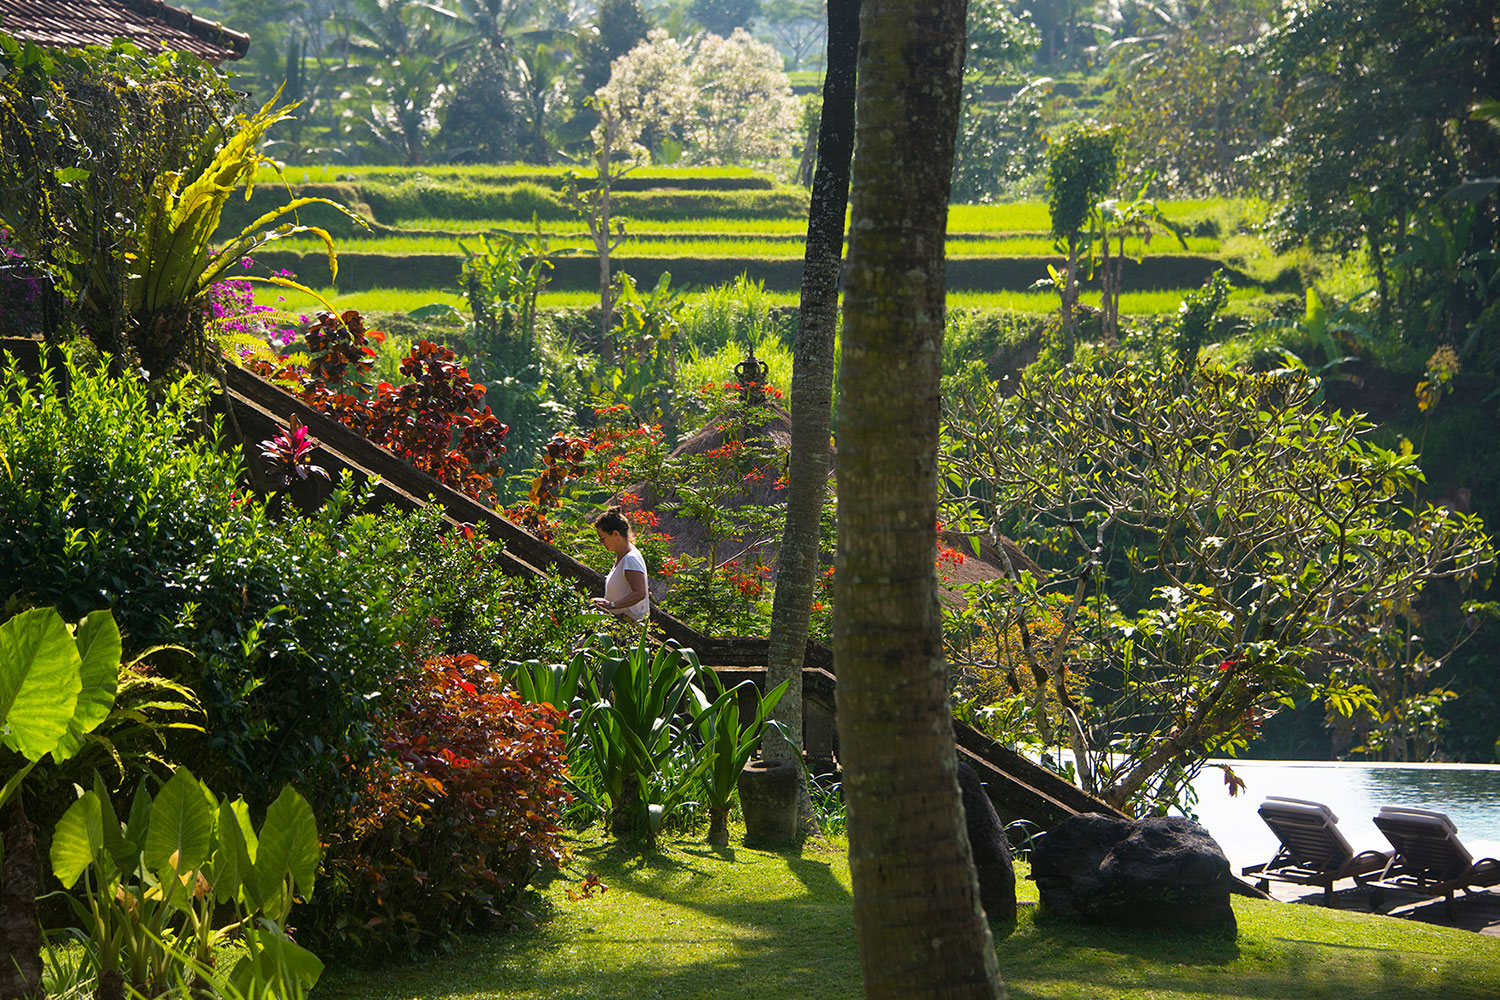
812, 391
20, 932
920, 925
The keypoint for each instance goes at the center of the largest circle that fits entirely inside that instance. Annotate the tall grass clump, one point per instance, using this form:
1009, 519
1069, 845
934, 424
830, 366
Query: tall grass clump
738, 312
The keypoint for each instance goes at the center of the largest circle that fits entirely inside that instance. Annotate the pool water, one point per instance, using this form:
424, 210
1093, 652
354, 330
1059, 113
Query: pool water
1468, 793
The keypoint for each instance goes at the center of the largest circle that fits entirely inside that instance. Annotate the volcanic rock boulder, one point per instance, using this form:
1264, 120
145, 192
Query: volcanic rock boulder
1162, 872
992, 860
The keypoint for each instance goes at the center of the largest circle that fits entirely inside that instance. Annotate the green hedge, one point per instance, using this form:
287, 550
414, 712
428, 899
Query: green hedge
382, 204
360, 271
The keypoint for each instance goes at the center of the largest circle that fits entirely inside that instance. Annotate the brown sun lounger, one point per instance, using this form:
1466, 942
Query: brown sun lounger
1429, 857
1313, 851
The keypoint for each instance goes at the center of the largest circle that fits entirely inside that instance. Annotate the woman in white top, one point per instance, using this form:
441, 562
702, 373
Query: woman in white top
625, 591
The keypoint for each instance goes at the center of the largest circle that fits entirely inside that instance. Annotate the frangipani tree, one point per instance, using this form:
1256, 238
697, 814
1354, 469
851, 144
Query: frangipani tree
1226, 546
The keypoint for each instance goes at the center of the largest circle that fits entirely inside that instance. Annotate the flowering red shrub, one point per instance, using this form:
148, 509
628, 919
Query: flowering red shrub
457, 819
434, 421
562, 459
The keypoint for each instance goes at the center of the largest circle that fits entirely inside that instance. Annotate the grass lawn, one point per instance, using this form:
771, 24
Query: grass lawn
693, 922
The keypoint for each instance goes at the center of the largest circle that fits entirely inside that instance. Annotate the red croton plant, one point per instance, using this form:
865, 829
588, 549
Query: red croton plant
457, 817
435, 421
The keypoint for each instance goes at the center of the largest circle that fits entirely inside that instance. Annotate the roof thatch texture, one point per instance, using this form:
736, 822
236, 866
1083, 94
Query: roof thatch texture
689, 537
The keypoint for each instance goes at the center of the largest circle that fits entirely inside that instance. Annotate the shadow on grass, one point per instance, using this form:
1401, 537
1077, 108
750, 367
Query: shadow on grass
701, 922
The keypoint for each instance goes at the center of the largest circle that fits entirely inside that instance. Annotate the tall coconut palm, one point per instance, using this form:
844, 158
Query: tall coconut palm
921, 929
812, 382
404, 51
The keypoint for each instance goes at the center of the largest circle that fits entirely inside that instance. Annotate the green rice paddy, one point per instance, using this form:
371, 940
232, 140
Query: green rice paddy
700, 246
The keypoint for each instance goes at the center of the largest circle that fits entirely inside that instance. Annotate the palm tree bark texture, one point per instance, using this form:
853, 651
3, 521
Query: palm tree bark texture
812, 389
922, 931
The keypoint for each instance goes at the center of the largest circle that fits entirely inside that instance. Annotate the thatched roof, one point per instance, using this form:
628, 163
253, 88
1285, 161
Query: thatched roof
151, 25
689, 538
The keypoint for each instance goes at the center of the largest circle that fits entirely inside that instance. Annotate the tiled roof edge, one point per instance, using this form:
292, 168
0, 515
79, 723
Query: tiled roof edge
233, 42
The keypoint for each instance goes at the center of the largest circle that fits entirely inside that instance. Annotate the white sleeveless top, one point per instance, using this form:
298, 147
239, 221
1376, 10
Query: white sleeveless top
617, 588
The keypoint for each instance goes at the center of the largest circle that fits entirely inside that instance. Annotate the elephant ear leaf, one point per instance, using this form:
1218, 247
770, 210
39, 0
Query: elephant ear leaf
122, 852
39, 682
234, 855
289, 848
276, 966
98, 643
78, 842
179, 836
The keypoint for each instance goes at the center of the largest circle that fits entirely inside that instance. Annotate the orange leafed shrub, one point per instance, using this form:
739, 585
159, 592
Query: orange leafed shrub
455, 821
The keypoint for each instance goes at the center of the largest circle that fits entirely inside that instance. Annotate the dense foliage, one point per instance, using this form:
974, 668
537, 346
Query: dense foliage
1223, 548
1380, 148
110, 500
126, 164
432, 421
455, 817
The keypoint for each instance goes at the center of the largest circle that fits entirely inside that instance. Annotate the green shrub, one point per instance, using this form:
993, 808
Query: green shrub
111, 499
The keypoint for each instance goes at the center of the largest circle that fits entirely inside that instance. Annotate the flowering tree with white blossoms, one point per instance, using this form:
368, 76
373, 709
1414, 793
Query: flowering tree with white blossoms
651, 87
728, 98
745, 108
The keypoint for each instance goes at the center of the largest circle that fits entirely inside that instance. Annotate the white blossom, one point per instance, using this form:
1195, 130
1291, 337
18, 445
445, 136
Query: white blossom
728, 98
746, 110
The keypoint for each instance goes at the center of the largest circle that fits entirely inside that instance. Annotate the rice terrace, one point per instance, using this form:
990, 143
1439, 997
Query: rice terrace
747, 498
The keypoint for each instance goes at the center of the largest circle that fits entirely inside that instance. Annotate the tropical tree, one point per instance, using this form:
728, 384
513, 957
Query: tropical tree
811, 399
652, 87
728, 98
1376, 135
1082, 167
745, 109
1196, 102
1230, 547
720, 17
542, 73
618, 27
997, 145
591, 195
918, 918
799, 27
403, 51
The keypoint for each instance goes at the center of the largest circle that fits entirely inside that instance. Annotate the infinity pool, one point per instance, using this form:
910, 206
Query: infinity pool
1468, 793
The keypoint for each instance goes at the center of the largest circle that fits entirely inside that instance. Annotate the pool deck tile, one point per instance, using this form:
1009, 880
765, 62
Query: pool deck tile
1478, 911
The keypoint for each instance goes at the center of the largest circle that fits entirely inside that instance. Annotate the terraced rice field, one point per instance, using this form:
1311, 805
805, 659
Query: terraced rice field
997, 253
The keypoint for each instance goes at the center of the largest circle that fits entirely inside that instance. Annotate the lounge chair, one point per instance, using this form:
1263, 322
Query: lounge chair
1429, 857
1313, 851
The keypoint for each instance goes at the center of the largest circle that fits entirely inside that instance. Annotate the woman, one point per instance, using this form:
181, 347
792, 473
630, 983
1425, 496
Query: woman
625, 591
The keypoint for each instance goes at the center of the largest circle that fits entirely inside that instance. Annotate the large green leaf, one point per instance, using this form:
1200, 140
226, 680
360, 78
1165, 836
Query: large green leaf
124, 853
275, 965
288, 847
180, 834
98, 642
39, 682
78, 841
234, 855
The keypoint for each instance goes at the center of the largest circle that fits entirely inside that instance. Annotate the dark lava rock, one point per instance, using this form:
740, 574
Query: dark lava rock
1160, 872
